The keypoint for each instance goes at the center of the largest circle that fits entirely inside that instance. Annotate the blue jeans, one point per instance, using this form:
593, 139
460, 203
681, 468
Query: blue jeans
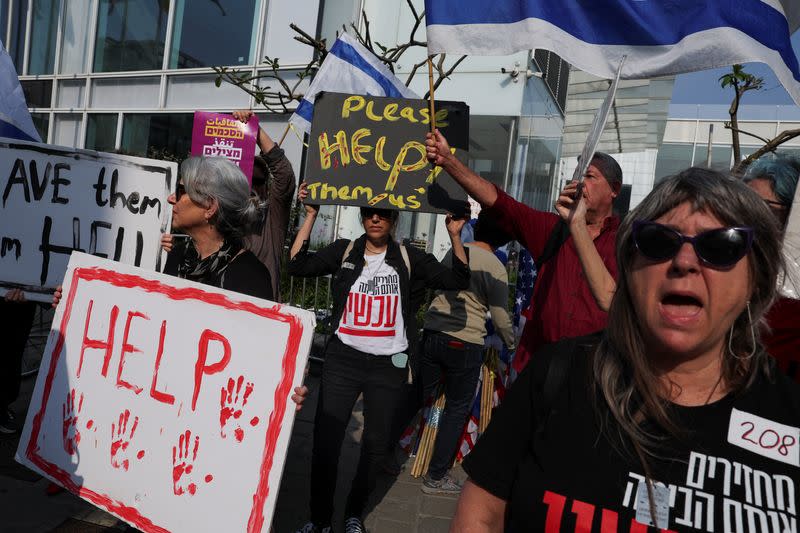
460, 362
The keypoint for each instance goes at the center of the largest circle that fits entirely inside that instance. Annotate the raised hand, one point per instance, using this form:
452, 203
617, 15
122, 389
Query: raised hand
302, 195
570, 206
437, 149
70, 412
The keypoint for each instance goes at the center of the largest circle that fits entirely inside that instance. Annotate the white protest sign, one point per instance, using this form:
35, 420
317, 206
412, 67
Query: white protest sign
55, 199
165, 402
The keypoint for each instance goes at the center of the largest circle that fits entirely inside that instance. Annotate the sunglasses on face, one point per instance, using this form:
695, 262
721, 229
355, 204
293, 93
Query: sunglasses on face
722, 247
384, 214
180, 190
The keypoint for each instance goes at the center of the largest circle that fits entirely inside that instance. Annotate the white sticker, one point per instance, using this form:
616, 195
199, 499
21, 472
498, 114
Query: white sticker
764, 437
660, 505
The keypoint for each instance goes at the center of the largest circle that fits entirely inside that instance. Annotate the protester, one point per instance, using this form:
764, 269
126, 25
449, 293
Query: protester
212, 204
16, 319
775, 179
678, 390
268, 240
377, 286
575, 285
455, 327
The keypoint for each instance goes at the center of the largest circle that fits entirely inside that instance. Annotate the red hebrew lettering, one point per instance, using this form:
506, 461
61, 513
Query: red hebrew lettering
200, 367
70, 428
157, 394
347, 308
108, 344
128, 348
391, 311
608, 522
555, 510
363, 310
584, 514
379, 318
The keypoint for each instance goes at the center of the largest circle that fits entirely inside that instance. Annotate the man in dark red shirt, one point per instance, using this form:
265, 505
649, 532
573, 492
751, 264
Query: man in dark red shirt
574, 288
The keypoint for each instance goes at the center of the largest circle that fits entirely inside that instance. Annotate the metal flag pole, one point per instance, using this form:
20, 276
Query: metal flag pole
431, 106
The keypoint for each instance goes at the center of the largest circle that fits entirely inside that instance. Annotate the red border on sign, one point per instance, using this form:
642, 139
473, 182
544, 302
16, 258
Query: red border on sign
276, 417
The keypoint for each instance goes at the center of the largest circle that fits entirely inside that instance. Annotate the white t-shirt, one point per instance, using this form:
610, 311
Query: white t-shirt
372, 320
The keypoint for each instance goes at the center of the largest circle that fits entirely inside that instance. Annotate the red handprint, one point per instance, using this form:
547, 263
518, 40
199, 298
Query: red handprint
70, 428
182, 463
230, 407
120, 439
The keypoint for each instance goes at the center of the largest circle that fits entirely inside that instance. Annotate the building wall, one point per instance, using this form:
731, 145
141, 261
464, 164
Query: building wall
128, 75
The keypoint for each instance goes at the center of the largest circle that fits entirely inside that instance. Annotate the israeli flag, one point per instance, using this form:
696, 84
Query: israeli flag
659, 37
349, 68
15, 120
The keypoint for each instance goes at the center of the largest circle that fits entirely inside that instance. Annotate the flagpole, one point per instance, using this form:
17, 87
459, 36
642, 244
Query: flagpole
431, 106
288, 127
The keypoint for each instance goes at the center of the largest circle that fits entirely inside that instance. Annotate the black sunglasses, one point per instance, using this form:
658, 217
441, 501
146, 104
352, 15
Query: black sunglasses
385, 214
722, 247
180, 190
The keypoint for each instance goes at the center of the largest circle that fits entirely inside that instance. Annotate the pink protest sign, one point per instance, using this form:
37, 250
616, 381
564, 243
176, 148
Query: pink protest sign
219, 135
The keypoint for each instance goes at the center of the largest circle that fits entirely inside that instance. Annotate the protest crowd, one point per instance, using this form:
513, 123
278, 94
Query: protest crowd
656, 359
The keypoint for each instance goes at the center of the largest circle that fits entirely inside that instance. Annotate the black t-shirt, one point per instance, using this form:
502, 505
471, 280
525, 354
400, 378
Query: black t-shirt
245, 273
734, 470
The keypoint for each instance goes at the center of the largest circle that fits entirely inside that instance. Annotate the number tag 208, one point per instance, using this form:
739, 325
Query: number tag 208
764, 437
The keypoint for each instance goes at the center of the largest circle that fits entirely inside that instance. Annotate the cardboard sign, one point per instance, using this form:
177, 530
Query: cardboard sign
55, 200
370, 151
166, 402
218, 135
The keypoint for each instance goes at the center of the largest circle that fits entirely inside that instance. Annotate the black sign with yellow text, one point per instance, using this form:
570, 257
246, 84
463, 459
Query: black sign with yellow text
370, 151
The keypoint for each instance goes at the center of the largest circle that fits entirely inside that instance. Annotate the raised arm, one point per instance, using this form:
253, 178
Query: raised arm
438, 151
265, 142
601, 282
454, 226
304, 232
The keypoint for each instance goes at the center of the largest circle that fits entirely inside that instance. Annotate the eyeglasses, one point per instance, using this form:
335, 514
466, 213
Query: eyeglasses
180, 190
385, 214
722, 247
772, 204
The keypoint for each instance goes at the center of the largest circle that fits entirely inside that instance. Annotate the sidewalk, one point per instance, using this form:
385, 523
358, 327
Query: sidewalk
24, 506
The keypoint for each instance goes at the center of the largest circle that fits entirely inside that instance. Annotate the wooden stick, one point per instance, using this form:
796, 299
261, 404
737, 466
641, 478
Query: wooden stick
288, 127
425, 450
431, 106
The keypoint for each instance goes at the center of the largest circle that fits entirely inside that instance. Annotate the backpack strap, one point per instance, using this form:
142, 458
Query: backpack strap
347, 250
557, 237
406, 260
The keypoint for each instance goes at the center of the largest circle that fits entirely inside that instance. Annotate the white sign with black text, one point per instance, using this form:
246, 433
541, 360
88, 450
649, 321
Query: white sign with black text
54, 200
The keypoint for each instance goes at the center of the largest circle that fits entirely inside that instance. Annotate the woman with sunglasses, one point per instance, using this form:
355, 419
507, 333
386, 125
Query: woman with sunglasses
674, 416
212, 204
377, 287
774, 178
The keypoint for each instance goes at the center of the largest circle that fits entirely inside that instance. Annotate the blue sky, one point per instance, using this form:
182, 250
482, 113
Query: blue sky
703, 87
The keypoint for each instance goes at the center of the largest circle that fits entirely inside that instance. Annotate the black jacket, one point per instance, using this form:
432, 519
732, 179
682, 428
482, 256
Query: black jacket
426, 273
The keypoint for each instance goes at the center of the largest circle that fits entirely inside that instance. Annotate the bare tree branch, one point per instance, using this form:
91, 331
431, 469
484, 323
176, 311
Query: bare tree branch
770, 146
729, 127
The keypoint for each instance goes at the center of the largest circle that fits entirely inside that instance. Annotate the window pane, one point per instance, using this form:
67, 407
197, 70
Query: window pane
213, 33
75, 38
163, 136
44, 28
67, 130
720, 157
130, 35
16, 45
672, 158
37, 92
42, 123
101, 132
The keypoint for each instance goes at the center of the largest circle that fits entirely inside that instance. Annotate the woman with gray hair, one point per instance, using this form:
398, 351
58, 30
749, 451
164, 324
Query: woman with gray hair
674, 417
213, 205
